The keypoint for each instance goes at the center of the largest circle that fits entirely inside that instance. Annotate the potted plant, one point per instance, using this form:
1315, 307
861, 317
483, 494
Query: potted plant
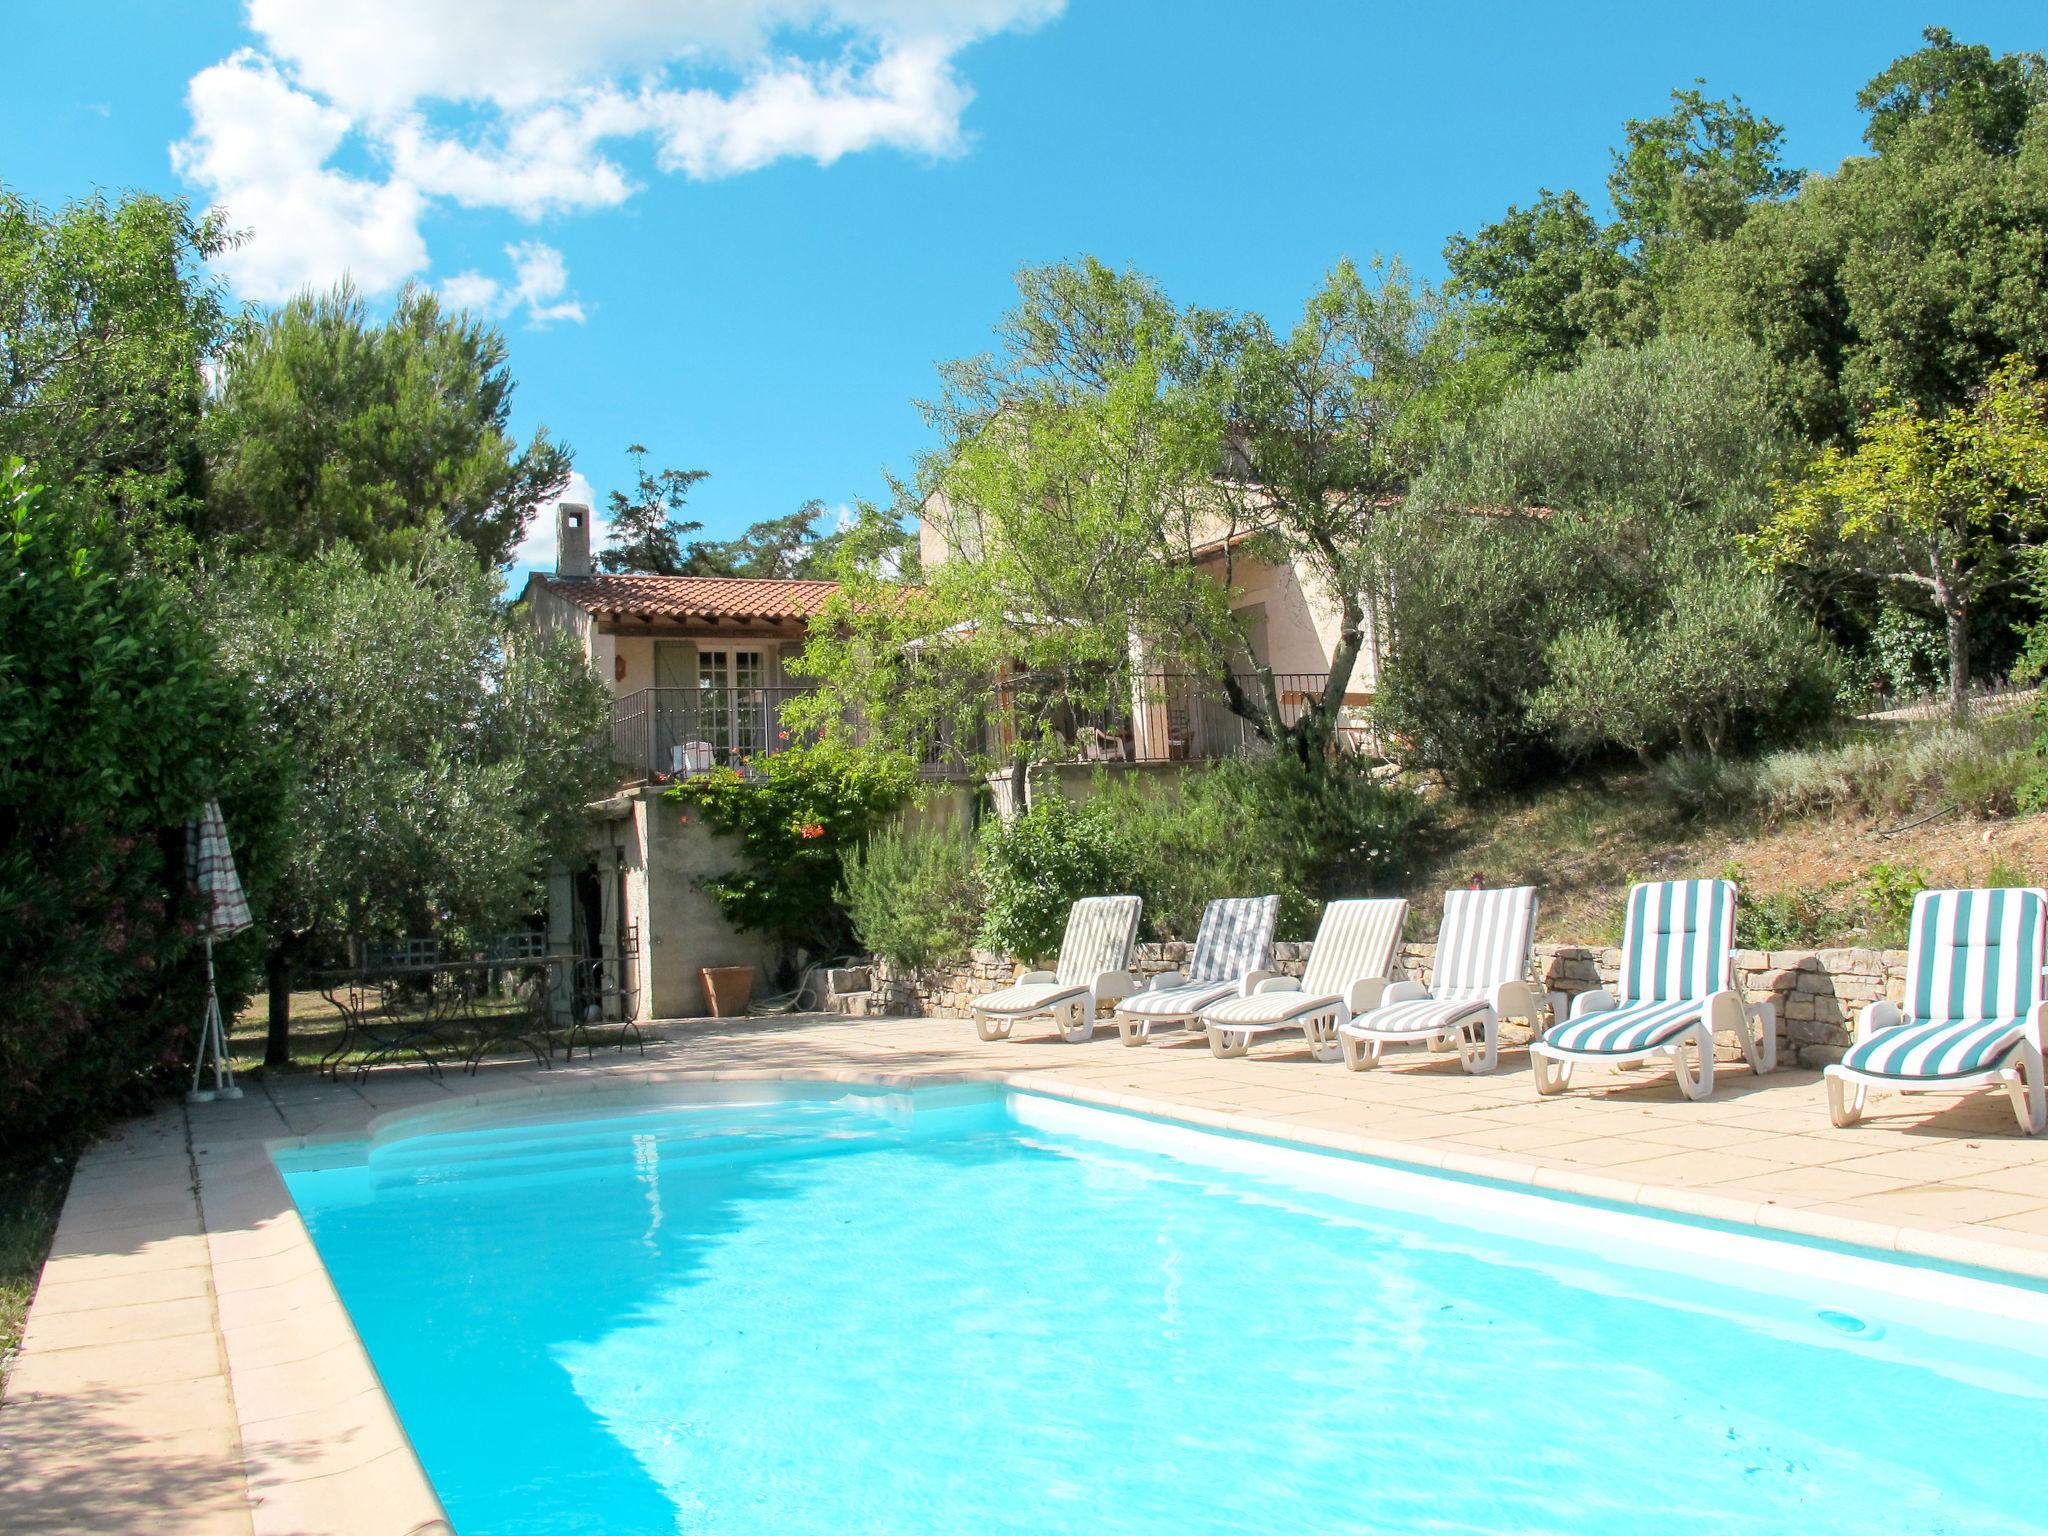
727, 989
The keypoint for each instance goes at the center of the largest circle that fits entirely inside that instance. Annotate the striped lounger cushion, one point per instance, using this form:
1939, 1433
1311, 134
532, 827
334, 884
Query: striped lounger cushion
1355, 939
1630, 1028
1484, 940
1028, 997
1236, 937
1101, 933
1954, 1049
1973, 974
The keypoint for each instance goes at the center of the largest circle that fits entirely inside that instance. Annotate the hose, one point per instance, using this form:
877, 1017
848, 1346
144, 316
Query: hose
808, 985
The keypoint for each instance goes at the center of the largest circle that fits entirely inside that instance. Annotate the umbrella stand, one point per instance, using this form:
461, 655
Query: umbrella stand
212, 1042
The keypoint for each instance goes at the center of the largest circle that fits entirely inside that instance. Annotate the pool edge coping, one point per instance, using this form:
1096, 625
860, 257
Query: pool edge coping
392, 1479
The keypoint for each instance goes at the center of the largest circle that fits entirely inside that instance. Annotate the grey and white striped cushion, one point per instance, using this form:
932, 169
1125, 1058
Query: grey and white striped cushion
1236, 936
1679, 940
1028, 997
1101, 933
1486, 938
1355, 939
1177, 1002
1417, 1014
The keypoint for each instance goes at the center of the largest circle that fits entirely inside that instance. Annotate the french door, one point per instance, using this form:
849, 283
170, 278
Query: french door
732, 694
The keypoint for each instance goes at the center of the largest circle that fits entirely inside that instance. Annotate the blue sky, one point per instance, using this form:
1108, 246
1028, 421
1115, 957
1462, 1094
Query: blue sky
743, 233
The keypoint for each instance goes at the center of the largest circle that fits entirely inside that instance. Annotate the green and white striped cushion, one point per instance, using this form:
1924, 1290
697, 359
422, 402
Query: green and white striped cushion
1952, 1049
1679, 939
1974, 954
1236, 936
1973, 975
1626, 1030
1486, 938
1101, 933
1355, 939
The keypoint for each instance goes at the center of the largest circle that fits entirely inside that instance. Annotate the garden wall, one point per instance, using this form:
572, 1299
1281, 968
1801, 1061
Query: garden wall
1817, 992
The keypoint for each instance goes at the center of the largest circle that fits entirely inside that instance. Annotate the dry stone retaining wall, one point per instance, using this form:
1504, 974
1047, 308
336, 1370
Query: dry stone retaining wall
1818, 992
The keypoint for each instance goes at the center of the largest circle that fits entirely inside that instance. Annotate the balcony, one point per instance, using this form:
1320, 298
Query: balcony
1166, 718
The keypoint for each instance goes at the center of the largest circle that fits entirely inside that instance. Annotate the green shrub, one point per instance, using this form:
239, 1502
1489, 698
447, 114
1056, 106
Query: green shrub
1888, 892
1043, 861
116, 725
911, 895
796, 814
1722, 665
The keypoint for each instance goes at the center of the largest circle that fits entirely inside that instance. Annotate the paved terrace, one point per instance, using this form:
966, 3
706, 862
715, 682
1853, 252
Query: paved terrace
188, 1367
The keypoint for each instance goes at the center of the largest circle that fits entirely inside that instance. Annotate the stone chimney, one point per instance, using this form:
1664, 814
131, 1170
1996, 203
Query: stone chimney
572, 539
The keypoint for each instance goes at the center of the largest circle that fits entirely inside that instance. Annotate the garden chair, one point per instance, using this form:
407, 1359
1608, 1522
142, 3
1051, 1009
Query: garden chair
1484, 947
1346, 975
1677, 988
1232, 950
1094, 967
688, 757
1974, 1014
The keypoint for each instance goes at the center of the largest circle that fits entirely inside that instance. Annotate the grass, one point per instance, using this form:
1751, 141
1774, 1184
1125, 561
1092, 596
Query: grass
1828, 843
32, 1185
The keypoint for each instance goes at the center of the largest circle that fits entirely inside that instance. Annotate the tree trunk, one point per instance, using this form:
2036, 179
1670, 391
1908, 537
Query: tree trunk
277, 971
1958, 618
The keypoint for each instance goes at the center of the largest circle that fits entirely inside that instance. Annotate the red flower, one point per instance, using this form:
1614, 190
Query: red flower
782, 735
810, 830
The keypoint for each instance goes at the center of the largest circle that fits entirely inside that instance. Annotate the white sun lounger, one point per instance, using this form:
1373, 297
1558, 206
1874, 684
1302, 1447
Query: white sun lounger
1094, 967
1481, 975
1974, 1015
1677, 989
1232, 951
1346, 973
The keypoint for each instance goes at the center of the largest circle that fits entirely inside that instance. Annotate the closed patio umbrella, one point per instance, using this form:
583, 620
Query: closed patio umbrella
223, 910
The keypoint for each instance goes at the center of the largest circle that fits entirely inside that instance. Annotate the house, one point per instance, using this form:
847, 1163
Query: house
699, 669
1290, 624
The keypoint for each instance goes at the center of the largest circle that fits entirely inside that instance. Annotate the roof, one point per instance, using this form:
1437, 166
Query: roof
692, 597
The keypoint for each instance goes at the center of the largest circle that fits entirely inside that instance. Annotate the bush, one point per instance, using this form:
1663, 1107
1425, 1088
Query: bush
116, 725
1047, 858
1725, 666
911, 894
796, 815
1888, 892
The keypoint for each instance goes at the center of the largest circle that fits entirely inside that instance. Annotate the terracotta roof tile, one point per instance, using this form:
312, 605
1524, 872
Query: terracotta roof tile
694, 597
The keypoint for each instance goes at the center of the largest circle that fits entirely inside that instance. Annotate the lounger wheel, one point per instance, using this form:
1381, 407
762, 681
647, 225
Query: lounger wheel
1552, 1076
991, 1028
1845, 1102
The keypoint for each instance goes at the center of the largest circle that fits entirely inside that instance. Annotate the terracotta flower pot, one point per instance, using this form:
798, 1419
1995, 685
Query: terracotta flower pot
727, 989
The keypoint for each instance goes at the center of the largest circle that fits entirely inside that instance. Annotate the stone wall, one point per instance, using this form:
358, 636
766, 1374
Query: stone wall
1817, 992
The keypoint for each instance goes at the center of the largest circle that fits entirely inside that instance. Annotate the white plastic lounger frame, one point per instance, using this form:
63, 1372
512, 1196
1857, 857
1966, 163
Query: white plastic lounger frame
1346, 974
1483, 951
1233, 951
1677, 990
1975, 1015
1094, 967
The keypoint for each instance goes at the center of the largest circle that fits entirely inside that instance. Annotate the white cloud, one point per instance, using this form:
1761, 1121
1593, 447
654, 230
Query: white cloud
536, 552
540, 284
260, 147
515, 105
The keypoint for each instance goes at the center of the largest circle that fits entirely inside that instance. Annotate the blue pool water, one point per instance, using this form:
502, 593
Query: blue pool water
964, 1312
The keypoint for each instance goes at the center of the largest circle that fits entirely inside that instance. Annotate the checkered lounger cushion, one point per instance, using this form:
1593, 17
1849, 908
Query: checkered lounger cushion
1236, 938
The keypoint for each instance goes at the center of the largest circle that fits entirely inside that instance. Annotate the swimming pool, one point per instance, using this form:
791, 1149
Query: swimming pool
753, 1308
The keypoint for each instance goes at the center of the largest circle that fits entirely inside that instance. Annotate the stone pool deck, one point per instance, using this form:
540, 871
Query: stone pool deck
188, 1367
